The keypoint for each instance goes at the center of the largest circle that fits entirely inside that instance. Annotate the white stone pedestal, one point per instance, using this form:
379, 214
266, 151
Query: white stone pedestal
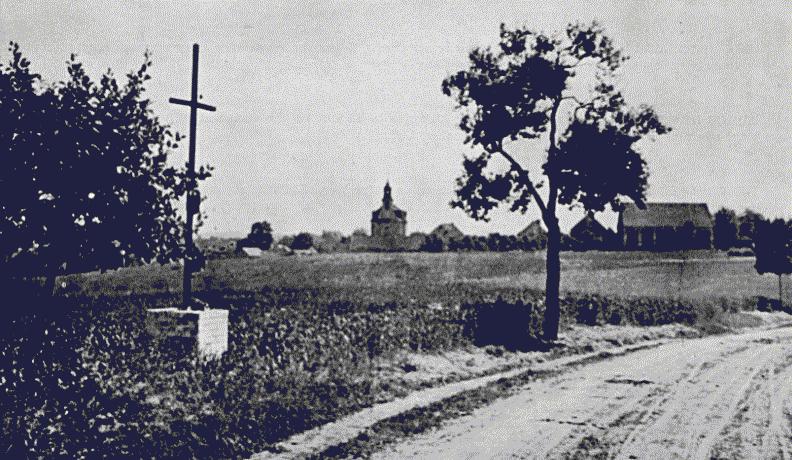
189, 331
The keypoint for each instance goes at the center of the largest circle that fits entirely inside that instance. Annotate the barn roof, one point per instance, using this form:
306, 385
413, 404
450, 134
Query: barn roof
444, 230
588, 225
667, 215
533, 230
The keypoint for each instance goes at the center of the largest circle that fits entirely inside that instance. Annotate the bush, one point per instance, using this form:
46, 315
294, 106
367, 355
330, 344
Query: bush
302, 241
513, 325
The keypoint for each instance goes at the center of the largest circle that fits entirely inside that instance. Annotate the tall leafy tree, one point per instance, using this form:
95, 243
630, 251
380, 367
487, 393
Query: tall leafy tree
84, 177
523, 89
773, 249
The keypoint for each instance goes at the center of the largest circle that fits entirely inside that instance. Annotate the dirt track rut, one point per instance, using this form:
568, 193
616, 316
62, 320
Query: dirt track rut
724, 397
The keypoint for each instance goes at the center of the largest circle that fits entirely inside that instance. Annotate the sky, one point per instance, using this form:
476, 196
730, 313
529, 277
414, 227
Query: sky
320, 102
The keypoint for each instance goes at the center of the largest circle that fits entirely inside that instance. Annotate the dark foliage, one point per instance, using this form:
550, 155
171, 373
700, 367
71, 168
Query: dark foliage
725, 229
432, 243
84, 178
748, 224
773, 249
260, 236
302, 241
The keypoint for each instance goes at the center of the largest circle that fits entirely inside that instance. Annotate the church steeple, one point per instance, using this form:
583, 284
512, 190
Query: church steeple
387, 200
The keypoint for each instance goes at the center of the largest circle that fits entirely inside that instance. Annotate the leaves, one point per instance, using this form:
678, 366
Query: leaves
773, 247
99, 154
515, 91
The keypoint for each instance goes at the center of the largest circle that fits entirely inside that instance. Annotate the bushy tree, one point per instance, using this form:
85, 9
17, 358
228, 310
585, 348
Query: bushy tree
302, 241
725, 229
432, 243
260, 236
773, 249
84, 179
748, 223
522, 89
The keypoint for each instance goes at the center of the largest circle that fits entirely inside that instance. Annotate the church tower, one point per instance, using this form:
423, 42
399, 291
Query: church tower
388, 223
387, 199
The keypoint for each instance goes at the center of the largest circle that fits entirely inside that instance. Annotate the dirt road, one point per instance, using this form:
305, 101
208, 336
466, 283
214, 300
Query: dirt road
717, 397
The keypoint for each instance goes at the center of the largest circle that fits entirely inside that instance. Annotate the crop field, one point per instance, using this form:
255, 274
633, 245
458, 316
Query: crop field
79, 377
696, 275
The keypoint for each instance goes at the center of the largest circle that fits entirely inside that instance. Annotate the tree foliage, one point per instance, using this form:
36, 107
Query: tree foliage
302, 241
524, 89
773, 247
725, 229
84, 176
515, 91
260, 236
748, 224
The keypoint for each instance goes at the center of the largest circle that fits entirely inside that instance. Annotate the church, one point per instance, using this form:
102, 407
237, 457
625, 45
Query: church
388, 224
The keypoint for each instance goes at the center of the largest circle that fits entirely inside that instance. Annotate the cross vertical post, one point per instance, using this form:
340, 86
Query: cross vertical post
192, 199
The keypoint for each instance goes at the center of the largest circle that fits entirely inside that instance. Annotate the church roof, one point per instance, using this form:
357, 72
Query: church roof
388, 214
667, 215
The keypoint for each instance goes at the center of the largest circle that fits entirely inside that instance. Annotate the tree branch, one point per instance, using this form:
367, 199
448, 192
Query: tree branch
551, 154
531, 188
574, 98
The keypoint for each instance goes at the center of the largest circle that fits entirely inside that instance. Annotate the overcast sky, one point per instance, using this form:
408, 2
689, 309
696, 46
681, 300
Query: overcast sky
319, 103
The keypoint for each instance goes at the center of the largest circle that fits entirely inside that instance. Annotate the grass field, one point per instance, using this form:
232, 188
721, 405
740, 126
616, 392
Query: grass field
698, 275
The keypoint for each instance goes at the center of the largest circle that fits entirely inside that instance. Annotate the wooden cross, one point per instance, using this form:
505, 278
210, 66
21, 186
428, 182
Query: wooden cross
192, 198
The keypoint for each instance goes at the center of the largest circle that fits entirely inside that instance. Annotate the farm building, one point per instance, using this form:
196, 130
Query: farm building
589, 234
533, 236
388, 224
665, 227
448, 233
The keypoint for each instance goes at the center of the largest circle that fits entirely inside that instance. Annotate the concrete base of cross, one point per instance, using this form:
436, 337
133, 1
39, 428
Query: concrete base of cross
179, 330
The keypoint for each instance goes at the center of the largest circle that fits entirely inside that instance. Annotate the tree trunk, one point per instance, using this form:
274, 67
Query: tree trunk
49, 283
780, 292
552, 314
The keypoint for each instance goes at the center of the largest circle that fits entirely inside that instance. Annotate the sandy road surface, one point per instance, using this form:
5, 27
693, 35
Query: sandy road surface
717, 397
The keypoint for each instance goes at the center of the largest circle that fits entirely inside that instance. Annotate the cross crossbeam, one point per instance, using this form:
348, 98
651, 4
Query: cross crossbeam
192, 201
191, 103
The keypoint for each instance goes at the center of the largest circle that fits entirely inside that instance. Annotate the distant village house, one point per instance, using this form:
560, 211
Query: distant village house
589, 234
448, 233
534, 236
665, 227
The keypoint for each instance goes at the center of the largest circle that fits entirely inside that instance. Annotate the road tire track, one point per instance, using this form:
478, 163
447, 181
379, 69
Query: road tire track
726, 396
